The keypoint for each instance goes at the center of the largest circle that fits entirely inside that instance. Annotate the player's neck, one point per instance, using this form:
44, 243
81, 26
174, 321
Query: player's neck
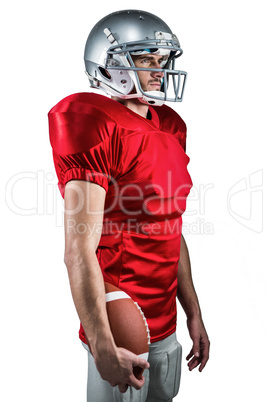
135, 105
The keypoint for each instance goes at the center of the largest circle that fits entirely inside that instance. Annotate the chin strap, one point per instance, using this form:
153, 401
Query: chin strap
151, 101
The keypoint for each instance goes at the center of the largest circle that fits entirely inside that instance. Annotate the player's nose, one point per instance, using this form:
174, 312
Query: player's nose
158, 74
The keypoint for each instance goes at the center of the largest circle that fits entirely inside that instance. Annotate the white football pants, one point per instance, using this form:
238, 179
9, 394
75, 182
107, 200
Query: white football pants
162, 380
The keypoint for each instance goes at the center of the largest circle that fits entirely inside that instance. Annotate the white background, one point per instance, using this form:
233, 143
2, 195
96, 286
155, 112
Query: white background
225, 108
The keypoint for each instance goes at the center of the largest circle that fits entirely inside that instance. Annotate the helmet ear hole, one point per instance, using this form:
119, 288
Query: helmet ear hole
104, 73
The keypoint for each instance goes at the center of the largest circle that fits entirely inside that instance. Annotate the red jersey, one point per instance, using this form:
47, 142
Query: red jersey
142, 165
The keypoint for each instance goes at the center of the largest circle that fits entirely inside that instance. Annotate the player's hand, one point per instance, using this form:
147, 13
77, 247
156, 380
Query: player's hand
117, 369
199, 353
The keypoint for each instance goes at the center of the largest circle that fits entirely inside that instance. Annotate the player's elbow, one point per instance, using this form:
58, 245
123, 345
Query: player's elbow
71, 249
72, 258
77, 255
69, 258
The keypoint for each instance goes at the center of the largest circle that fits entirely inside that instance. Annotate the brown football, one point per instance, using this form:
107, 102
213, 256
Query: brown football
128, 324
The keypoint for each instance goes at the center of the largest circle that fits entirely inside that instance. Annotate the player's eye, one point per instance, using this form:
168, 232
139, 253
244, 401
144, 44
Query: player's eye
145, 61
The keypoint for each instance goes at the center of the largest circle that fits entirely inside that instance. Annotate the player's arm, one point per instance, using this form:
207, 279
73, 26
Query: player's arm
187, 296
84, 206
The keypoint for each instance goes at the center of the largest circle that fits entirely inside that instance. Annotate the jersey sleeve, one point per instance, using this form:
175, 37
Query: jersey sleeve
83, 142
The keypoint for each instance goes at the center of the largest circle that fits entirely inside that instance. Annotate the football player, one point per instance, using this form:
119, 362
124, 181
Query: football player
122, 169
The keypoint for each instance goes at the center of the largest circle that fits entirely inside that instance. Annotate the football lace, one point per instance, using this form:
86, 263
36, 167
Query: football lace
145, 322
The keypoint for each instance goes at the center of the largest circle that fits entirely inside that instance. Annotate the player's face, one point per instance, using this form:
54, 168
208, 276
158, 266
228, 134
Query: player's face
150, 80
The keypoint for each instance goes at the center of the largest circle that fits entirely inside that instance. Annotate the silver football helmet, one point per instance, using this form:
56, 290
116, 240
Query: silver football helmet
108, 56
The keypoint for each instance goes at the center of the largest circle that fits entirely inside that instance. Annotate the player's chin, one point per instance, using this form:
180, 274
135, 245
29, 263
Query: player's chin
154, 88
